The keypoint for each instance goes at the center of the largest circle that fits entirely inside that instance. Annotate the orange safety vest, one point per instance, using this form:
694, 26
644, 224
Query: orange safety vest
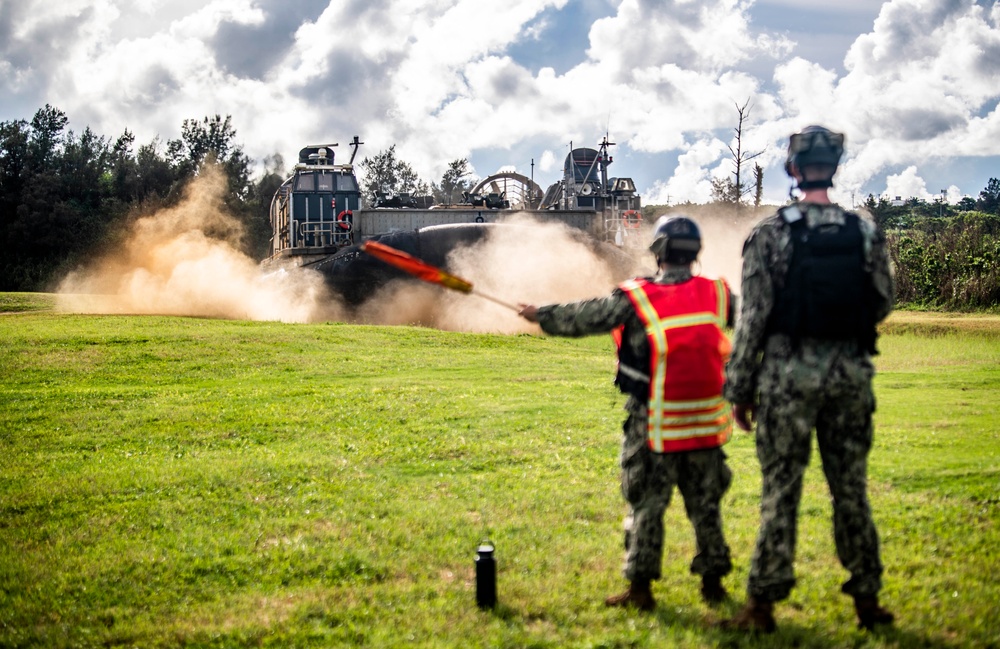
688, 351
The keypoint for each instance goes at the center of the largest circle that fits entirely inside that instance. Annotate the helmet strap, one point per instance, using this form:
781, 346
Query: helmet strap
825, 183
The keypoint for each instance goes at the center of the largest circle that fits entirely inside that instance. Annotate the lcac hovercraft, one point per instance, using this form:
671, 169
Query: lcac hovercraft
319, 217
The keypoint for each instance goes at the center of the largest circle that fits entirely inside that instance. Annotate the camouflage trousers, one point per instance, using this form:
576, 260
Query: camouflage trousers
647, 482
826, 387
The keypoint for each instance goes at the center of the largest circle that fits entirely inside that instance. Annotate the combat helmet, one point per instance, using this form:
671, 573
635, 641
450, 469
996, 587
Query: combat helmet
676, 240
815, 146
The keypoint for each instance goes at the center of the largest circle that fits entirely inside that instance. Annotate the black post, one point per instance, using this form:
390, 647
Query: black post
486, 577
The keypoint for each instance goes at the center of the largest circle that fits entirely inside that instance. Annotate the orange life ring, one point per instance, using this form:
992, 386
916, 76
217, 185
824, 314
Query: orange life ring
345, 220
632, 218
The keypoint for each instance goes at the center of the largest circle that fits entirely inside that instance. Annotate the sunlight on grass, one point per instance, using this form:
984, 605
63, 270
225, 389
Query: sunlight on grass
187, 482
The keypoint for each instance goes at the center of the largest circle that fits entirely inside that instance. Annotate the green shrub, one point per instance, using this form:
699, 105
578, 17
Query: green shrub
949, 263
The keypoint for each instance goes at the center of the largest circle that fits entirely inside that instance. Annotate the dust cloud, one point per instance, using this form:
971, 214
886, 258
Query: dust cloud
528, 261
722, 237
186, 260
545, 263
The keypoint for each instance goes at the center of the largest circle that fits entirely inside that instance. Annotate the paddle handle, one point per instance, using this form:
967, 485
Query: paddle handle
510, 306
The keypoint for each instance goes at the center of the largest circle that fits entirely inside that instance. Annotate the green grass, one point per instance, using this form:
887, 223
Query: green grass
180, 482
14, 302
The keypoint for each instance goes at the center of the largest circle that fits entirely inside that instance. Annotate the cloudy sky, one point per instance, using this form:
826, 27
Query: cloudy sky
914, 84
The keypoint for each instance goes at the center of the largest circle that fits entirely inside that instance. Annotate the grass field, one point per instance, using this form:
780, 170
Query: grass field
181, 482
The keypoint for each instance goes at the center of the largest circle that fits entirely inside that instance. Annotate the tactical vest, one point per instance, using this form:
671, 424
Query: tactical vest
827, 292
687, 353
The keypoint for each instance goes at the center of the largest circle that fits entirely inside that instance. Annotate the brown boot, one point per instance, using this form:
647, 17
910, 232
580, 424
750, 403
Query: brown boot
756, 615
712, 590
637, 595
870, 613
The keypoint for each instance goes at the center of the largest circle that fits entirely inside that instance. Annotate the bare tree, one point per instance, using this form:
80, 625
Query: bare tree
739, 155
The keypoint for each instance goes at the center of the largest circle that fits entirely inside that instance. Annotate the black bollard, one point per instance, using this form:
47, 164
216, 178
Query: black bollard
486, 577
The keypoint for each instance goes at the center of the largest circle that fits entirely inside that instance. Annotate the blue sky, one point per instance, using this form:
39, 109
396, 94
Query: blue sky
914, 84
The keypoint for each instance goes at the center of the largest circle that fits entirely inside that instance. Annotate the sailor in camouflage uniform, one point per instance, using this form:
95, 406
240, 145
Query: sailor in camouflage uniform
816, 281
675, 429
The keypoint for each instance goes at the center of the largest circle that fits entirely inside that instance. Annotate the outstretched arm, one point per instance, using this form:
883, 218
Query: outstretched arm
583, 318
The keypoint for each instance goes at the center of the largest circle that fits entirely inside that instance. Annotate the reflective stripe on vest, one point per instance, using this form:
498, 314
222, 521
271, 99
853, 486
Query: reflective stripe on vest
688, 351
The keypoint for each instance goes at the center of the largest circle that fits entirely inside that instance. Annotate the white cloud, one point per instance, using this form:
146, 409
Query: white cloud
922, 75
203, 23
692, 180
707, 36
807, 92
913, 92
827, 5
906, 184
32, 21
439, 79
548, 161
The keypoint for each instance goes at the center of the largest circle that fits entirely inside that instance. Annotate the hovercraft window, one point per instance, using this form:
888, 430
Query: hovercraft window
346, 183
305, 183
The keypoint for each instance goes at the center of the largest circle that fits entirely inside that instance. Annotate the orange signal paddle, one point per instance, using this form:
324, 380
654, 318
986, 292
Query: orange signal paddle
424, 271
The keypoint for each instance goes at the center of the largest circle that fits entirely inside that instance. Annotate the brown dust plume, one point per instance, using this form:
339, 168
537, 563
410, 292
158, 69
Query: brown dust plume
186, 260
528, 261
722, 237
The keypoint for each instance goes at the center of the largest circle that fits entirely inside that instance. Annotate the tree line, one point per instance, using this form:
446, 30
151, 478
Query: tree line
945, 256
385, 175
66, 195
950, 262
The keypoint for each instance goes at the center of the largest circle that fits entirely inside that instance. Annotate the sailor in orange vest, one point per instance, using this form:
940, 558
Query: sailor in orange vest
671, 354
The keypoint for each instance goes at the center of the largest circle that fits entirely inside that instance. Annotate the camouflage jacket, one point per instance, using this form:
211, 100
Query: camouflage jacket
601, 315
766, 256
